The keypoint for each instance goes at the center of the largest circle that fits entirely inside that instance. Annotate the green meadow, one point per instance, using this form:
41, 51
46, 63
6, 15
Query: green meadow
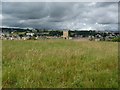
59, 64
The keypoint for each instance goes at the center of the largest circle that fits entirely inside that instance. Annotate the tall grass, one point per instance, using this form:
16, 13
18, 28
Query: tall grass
59, 64
0, 63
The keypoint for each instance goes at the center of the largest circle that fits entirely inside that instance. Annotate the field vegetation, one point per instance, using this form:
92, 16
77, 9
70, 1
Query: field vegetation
59, 64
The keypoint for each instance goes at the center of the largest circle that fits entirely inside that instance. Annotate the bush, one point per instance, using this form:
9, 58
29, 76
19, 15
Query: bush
116, 39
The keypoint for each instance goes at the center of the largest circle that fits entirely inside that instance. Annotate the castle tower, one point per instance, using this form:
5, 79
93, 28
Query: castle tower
66, 34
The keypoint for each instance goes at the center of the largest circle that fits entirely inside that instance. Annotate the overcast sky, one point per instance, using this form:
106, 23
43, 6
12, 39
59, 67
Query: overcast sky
61, 15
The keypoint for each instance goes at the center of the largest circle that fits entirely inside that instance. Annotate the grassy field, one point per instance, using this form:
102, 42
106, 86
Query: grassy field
59, 64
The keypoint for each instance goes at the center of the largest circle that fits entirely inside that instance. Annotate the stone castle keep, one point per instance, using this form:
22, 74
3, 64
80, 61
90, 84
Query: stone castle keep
66, 34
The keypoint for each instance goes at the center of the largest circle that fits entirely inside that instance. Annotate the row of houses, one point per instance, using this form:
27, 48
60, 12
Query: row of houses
97, 37
28, 36
66, 35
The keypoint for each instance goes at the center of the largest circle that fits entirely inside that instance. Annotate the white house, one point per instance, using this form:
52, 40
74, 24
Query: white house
30, 34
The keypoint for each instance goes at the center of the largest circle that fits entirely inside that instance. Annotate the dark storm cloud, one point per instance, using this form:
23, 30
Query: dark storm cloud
25, 10
60, 15
61, 0
0, 14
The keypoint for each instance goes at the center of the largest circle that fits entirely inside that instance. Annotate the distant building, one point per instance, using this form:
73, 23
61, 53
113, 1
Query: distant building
65, 34
29, 34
